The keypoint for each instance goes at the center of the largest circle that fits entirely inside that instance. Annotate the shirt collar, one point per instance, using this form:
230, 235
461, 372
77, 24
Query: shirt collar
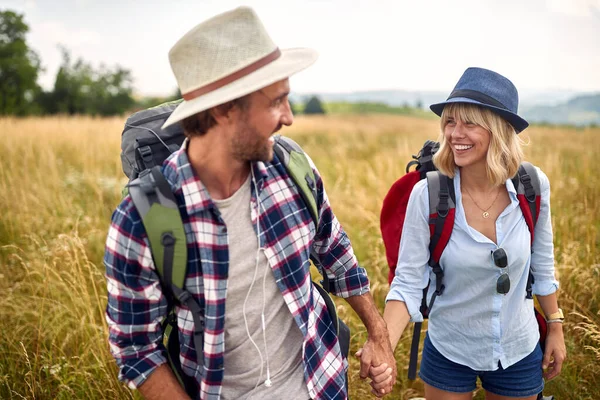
510, 187
197, 199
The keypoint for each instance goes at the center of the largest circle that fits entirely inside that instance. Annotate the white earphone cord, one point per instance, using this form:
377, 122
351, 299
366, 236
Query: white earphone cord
267, 382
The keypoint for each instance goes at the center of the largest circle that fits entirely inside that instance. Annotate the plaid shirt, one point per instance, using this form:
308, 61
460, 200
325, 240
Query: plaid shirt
136, 304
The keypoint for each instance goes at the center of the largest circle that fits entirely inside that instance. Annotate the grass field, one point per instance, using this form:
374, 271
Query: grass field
60, 179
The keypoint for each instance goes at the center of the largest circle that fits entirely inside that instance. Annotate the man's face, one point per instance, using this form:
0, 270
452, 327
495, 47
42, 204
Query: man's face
266, 111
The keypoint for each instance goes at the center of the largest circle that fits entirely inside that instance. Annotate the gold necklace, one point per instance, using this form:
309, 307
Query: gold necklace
485, 213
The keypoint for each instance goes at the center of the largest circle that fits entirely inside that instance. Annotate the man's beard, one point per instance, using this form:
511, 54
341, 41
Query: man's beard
249, 145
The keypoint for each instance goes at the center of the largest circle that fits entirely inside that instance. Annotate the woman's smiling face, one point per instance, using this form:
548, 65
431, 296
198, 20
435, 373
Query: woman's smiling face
469, 142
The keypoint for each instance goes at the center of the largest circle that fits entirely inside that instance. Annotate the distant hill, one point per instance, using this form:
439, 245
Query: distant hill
539, 106
580, 110
394, 98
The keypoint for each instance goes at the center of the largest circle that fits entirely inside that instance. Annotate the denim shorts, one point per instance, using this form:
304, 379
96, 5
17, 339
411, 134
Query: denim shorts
522, 379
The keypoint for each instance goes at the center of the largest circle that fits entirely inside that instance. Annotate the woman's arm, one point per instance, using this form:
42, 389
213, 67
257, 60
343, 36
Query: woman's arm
403, 302
545, 283
555, 352
397, 318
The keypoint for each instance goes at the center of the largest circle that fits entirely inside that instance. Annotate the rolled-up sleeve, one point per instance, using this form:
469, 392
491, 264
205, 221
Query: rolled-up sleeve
136, 305
412, 273
332, 250
542, 259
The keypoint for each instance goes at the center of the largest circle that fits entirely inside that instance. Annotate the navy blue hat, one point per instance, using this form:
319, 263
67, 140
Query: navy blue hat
486, 89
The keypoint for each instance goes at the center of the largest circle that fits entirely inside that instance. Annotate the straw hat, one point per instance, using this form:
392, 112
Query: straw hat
227, 57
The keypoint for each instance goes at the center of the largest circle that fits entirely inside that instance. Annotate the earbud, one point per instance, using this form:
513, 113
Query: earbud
268, 383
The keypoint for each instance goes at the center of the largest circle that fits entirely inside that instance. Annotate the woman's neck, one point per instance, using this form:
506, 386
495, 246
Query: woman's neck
476, 180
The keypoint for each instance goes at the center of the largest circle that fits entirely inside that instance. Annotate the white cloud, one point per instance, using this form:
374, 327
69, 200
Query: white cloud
30, 5
574, 8
58, 33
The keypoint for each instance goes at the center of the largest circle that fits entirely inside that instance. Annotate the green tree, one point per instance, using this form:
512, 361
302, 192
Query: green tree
19, 66
294, 108
314, 106
81, 89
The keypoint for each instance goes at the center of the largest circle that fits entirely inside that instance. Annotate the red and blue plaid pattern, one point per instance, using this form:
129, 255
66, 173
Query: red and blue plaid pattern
136, 304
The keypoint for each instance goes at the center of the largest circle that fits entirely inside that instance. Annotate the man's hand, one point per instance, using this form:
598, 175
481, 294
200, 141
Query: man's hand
555, 352
378, 363
377, 350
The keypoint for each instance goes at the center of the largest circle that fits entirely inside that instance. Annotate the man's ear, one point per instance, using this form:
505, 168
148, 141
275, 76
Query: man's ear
224, 114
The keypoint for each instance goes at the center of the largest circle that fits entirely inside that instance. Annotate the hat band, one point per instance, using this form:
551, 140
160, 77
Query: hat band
477, 96
269, 58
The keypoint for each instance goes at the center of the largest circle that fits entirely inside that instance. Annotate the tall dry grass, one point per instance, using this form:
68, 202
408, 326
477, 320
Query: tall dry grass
60, 179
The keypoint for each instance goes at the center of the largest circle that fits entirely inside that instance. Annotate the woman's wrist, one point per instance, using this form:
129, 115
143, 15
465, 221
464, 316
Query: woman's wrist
555, 327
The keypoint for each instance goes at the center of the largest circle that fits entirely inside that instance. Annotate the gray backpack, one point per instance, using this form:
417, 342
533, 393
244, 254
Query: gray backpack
144, 144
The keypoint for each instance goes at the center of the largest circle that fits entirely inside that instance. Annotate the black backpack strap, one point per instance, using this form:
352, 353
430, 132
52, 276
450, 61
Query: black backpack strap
527, 185
442, 202
154, 200
424, 159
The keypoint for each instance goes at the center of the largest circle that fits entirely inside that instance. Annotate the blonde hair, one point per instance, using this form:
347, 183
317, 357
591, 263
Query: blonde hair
504, 154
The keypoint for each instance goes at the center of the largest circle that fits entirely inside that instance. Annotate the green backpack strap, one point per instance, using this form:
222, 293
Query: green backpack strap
298, 167
296, 163
155, 202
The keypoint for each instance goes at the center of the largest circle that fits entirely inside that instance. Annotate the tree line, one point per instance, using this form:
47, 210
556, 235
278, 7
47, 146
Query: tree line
79, 88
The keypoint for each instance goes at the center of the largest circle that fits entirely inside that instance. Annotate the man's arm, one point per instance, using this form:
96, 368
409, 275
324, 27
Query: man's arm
162, 385
377, 350
333, 253
136, 304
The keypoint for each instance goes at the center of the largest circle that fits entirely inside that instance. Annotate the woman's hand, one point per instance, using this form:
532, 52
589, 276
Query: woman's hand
383, 376
555, 352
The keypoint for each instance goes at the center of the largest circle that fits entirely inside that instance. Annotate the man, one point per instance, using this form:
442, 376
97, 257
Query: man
268, 333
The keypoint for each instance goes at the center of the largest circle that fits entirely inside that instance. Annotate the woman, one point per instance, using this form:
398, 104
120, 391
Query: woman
480, 327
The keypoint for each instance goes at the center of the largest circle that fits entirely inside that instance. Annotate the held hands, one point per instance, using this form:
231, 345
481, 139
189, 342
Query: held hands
378, 363
555, 351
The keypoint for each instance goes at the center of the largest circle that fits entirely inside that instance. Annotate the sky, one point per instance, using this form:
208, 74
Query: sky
363, 45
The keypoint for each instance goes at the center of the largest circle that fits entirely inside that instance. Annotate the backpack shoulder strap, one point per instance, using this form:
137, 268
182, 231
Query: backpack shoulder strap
154, 200
442, 205
529, 194
152, 196
527, 185
296, 163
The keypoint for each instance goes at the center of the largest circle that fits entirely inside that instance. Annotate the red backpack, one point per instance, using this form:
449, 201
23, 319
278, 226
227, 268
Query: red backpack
441, 222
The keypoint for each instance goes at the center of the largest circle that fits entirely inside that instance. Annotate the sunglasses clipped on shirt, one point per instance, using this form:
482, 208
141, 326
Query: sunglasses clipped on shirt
501, 261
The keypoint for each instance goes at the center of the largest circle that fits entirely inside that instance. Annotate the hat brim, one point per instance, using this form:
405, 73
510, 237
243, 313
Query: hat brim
517, 122
290, 62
